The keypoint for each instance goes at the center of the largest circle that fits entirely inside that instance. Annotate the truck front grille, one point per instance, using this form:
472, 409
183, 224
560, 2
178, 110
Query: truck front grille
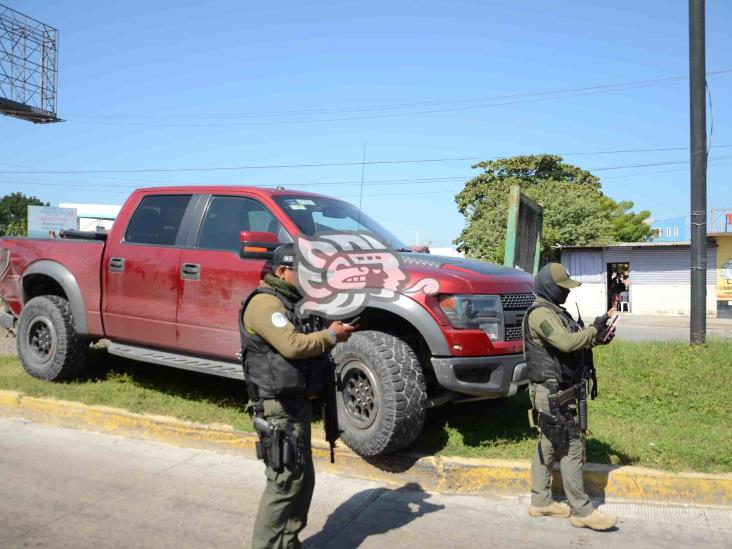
513, 333
514, 309
516, 302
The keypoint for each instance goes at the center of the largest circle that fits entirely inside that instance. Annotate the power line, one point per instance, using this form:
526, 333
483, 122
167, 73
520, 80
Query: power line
336, 164
235, 168
378, 182
515, 98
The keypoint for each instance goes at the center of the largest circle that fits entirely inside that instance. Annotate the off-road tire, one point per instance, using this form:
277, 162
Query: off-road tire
48, 345
399, 392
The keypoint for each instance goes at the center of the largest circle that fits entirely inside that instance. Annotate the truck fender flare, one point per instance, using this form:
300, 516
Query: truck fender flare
414, 313
68, 283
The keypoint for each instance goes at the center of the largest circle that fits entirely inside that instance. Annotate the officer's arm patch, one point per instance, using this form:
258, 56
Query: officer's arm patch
546, 328
279, 320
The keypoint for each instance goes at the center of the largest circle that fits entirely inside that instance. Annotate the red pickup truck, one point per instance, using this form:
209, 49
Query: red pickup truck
165, 285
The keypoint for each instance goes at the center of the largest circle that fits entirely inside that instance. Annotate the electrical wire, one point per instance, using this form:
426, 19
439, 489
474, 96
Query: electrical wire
329, 164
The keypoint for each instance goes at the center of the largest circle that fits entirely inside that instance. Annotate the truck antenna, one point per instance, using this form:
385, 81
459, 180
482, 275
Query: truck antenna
360, 199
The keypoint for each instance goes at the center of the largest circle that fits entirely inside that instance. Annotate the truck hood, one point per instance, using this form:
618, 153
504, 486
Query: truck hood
459, 275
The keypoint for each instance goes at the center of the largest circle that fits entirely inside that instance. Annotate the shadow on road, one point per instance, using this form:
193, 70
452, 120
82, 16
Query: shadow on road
370, 513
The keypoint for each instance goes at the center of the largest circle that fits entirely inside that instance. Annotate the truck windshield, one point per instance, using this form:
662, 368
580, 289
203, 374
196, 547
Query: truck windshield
313, 215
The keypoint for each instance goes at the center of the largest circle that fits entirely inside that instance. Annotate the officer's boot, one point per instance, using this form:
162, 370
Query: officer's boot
554, 510
596, 520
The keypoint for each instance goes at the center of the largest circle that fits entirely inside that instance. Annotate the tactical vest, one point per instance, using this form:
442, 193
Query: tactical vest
272, 374
547, 362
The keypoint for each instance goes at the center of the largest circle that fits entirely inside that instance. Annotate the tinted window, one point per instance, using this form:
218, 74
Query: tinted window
157, 220
228, 216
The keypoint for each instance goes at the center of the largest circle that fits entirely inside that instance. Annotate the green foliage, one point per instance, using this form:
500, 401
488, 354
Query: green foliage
628, 226
576, 212
14, 213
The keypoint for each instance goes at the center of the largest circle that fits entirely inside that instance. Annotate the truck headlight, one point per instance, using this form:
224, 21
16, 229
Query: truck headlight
482, 312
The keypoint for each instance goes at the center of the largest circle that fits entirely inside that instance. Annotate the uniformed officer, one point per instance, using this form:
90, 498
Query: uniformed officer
555, 349
285, 363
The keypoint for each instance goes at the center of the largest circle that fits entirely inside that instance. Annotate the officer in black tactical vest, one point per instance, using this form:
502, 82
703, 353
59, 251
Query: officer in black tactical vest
559, 360
285, 363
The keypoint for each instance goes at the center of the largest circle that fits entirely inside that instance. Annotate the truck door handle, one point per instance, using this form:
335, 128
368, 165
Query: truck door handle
116, 264
190, 271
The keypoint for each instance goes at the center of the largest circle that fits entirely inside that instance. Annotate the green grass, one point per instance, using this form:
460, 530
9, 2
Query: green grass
661, 405
141, 388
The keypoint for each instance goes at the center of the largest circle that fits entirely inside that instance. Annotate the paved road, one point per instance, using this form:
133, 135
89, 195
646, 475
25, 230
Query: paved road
638, 331
67, 488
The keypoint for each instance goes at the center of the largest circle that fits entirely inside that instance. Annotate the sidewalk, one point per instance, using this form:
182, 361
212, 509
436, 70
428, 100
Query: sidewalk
70, 488
435, 473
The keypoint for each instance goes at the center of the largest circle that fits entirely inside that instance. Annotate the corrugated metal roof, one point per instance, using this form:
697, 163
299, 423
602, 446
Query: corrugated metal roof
625, 245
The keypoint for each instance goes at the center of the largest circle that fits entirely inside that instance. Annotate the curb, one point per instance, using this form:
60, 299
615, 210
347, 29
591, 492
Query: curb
433, 473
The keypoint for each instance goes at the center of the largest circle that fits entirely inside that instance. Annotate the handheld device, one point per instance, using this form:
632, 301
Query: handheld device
611, 329
354, 322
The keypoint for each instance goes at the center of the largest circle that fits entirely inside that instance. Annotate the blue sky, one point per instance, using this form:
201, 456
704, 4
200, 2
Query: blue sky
191, 84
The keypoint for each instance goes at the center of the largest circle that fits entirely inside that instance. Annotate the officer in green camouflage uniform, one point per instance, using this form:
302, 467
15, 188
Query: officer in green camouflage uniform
554, 346
285, 361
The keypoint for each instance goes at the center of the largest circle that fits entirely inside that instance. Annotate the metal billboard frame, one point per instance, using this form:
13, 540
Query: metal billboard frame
28, 67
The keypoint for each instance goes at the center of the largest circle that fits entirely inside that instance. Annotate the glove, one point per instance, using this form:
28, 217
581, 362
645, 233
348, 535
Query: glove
605, 333
600, 338
601, 322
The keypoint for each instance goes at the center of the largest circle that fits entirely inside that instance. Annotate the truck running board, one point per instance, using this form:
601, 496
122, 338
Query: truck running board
177, 360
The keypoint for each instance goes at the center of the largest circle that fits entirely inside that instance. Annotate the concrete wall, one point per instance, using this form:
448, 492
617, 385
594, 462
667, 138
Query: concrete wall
645, 299
590, 297
667, 299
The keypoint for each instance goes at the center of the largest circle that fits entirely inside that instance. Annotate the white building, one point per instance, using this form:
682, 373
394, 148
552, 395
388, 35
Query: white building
446, 251
92, 217
658, 277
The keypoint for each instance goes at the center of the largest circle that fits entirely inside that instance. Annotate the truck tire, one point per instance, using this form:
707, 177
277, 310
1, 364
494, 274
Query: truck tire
47, 342
381, 404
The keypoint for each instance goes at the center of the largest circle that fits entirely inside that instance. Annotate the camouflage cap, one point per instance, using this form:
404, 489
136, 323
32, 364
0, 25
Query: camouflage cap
560, 275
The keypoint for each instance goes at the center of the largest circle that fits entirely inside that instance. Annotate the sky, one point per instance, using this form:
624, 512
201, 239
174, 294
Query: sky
187, 84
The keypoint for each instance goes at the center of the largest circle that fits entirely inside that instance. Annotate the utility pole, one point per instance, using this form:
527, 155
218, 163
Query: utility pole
697, 81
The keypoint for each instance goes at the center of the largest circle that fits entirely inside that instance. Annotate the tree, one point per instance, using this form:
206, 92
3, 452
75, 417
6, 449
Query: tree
576, 212
629, 226
14, 213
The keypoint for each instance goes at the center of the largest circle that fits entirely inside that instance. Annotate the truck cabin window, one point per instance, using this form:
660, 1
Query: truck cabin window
227, 216
157, 219
315, 214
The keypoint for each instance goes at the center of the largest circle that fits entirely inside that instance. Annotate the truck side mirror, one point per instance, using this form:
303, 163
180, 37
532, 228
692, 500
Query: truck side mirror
256, 245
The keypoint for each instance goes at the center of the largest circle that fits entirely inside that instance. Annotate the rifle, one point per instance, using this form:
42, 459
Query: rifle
330, 407
588, 379
589, 374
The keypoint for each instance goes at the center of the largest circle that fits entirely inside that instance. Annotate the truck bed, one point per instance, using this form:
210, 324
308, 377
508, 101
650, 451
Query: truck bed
76, 258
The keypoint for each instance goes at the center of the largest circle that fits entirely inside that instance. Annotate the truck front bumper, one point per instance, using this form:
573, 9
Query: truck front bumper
482, 376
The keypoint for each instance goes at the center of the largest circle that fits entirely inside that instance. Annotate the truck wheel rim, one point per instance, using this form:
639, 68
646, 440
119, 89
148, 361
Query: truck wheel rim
359, 394
41, 338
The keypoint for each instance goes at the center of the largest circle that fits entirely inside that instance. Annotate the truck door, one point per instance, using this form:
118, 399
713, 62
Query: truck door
214, 278
140, 273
